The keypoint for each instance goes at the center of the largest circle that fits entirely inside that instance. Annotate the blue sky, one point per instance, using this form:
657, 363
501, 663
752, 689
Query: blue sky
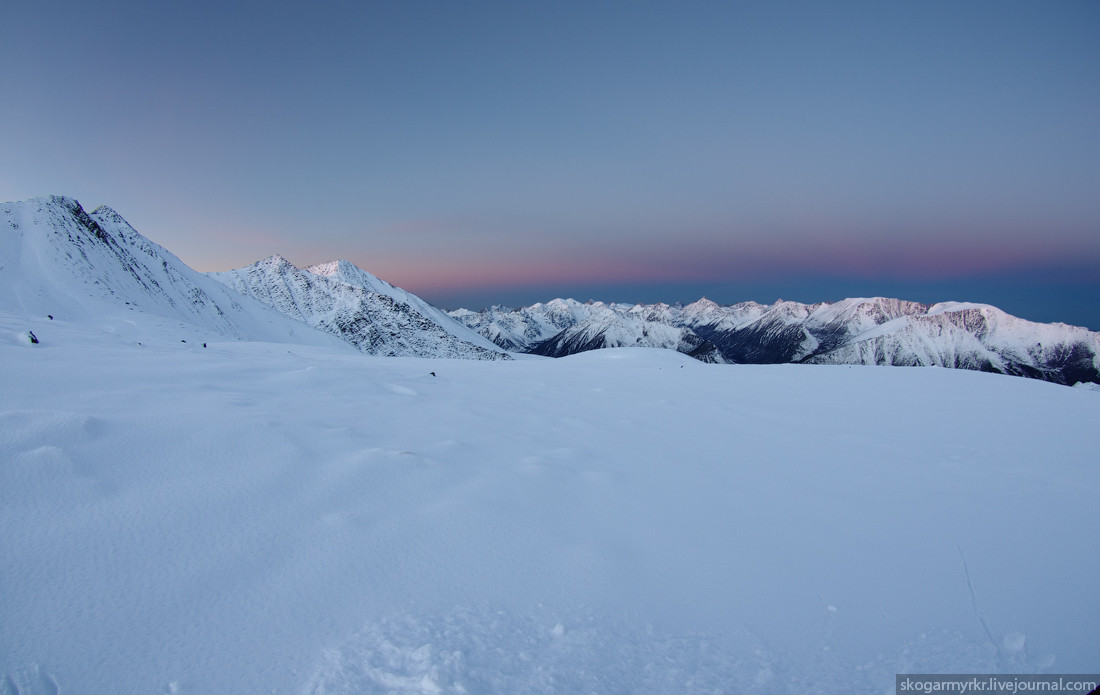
511, 152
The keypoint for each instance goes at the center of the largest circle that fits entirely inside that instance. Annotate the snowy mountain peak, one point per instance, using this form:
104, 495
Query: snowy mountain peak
110, 214
560, 304
700, 305
275, 260
348, 272
61, 201
339, 269
327, 269
350, 303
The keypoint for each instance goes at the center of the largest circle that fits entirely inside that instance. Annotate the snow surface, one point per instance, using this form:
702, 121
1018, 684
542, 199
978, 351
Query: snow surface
267, 517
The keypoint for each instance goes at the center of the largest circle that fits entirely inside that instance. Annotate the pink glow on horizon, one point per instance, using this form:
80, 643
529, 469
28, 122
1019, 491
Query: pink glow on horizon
442, 274
839, 258
441, 264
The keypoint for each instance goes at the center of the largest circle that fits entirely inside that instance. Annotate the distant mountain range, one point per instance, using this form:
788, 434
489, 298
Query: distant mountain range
874, 331
56, 258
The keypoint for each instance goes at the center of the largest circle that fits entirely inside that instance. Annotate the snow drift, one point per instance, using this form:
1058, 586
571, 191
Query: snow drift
258, 517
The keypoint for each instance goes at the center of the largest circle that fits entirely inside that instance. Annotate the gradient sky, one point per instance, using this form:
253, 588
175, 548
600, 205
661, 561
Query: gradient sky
510, 152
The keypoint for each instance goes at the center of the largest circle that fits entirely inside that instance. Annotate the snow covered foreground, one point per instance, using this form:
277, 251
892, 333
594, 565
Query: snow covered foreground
262, 517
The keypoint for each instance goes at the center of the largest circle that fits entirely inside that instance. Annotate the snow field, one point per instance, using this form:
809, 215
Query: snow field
262, 517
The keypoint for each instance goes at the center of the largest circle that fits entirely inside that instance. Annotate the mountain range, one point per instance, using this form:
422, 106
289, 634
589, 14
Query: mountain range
58, 259
871, 331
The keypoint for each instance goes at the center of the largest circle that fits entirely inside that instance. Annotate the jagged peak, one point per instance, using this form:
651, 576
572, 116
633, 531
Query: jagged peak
949, 307
337, 267
346, 266
881, 302
328, 268
64, 202
878, 308
701, 304
559, 303
109, 213
348, 273
788, 306
276, 260
54, 199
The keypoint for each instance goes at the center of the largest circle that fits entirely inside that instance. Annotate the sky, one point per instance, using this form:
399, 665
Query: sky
479, 153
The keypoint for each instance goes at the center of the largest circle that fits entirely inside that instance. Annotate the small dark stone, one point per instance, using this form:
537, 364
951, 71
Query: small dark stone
204, 344
432, 373
50, 316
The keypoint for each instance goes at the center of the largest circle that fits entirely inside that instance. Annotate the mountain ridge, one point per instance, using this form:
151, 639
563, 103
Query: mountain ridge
58, 259
346, 301
858, 330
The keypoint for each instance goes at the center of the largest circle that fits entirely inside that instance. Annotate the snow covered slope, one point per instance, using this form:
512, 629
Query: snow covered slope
257, 518
350, 303
56, 259
854, 331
